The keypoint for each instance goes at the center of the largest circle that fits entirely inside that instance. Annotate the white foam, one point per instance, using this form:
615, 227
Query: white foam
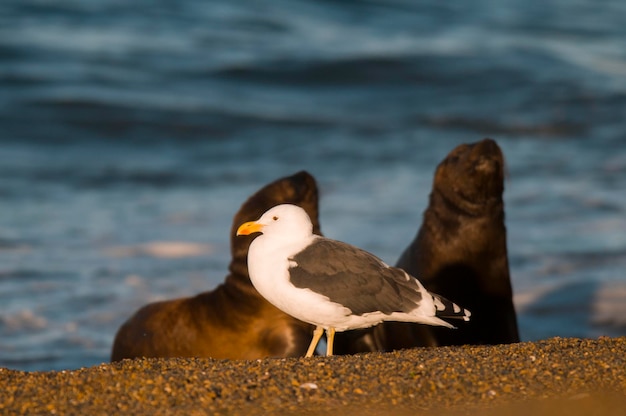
161, 249
609, 305
24, 319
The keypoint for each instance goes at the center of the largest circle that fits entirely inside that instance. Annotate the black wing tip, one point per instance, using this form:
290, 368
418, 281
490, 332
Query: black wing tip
447, 309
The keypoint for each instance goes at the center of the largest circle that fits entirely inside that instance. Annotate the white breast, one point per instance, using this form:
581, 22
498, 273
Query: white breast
268, 266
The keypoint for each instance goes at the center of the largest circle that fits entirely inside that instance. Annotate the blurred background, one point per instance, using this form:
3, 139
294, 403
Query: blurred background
131, 132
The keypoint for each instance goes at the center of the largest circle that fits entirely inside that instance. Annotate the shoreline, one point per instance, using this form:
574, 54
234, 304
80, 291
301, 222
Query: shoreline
556, 374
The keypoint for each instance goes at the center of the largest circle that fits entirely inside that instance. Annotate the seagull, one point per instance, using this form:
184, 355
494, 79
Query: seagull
331, 284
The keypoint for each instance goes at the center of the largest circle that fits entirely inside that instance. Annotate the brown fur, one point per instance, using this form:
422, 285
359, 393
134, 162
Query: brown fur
460, 253
233, 321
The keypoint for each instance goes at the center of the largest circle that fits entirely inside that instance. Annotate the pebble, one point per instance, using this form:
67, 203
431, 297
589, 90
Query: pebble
577, 376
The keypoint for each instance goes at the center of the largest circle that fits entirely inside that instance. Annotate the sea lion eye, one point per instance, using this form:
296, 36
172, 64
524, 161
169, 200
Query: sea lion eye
275, 218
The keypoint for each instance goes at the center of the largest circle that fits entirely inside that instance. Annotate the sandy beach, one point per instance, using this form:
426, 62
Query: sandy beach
579, 376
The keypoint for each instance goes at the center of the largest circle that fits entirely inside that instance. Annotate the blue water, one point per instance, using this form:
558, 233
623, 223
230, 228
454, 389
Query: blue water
129, 130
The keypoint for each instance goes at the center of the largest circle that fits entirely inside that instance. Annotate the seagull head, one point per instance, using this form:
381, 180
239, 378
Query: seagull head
282, 220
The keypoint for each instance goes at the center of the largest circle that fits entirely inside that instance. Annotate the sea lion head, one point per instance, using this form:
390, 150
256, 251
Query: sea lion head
298, 189
472, 174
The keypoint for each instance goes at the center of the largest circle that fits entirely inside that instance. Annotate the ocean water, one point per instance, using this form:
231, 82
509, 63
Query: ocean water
130, 134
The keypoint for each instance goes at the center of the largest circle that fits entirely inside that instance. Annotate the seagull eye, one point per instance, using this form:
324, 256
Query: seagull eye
275, 218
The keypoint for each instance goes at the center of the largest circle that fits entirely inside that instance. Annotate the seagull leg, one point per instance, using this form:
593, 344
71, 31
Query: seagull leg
317, 334
330, 338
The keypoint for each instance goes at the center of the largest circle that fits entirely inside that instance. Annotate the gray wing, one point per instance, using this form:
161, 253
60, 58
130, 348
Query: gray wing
354, 278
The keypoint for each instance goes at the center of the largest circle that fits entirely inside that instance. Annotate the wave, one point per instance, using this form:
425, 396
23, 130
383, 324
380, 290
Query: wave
574, 309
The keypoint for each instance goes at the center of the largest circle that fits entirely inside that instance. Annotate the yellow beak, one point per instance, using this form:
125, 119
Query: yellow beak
249, 227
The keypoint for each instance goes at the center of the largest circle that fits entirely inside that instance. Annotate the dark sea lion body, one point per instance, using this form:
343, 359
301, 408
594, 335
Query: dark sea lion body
233, 321
460, 252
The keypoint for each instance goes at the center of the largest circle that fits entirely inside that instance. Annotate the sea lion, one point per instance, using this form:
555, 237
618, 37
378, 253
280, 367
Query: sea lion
460, 252
233, 321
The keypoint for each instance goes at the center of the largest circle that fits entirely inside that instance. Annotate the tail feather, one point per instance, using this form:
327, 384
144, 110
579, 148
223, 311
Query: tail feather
448, 309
